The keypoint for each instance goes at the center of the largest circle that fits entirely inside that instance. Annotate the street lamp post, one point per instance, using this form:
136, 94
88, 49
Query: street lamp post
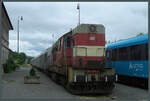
19, 18
78, 7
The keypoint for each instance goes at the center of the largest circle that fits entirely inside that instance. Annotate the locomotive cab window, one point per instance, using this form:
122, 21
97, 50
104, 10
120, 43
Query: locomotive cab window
59, 48
73, 42
67, 42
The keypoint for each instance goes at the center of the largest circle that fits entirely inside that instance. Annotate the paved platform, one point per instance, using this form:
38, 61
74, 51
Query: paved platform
14, 87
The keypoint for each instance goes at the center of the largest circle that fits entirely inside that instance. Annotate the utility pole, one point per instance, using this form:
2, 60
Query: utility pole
1, 67
53, 38
78, 7
148, 50
18, 33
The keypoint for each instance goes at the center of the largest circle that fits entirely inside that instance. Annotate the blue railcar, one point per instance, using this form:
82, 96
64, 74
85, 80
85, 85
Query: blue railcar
130, 60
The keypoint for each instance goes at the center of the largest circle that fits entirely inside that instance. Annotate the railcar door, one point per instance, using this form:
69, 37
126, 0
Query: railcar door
109, 58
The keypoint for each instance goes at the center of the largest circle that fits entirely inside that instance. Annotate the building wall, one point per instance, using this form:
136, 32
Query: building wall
5, 36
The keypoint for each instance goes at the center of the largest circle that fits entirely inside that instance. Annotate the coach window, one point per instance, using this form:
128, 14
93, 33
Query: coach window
123, 53
136, 52
146, 51
133, 52
107, 54
45, 56
114, 54
117, 54
139, 52
143, 53
120, 53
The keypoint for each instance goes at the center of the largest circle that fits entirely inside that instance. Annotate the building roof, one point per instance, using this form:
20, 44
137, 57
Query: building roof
3, 7
129, 42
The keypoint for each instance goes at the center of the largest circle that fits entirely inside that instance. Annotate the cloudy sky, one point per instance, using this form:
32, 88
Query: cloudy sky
41, 20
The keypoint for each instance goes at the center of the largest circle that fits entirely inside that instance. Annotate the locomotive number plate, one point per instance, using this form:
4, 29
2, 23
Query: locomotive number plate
92, 38
92, 71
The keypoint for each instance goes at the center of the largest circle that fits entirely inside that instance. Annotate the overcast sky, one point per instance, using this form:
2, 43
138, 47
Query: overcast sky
41, 20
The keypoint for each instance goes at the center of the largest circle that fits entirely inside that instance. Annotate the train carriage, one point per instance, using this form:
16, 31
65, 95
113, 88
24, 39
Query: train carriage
78, 61
130, 60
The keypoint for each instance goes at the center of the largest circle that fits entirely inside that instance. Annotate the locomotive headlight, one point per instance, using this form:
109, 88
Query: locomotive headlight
106, 79
75, 78
79, 78
86, 78
116, 78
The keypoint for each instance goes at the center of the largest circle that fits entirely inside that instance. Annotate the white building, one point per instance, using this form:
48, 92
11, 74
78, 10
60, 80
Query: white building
6, 26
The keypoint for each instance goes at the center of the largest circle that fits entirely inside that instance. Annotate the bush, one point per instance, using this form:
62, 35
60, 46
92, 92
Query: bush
9, 66
32, 72
6, 69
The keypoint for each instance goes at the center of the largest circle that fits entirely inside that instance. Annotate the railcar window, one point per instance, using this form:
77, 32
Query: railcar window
143, 52
45, 55
136, 52
114, 54
139, 52
123, 53
146, 51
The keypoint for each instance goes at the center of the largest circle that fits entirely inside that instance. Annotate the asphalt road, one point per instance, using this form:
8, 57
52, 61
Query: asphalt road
14, 87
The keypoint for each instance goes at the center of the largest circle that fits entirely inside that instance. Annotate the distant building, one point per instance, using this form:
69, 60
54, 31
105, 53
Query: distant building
6, 26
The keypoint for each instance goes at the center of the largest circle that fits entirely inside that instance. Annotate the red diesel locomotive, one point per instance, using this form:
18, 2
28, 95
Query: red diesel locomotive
77, 61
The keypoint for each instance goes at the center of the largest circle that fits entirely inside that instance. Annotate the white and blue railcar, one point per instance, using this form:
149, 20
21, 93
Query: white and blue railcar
130, 60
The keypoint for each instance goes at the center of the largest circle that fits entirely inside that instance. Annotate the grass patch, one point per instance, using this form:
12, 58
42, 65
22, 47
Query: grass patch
96, 98
27, 65
10, 81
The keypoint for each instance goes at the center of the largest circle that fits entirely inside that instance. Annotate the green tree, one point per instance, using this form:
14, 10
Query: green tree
10, 65
140, 34
21, 58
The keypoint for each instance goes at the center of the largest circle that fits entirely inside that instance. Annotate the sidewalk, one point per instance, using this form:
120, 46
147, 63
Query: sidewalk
14, 87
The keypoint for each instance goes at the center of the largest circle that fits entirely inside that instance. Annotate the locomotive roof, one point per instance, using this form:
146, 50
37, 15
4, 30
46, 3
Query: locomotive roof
89, 28
129, 42
85, 28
